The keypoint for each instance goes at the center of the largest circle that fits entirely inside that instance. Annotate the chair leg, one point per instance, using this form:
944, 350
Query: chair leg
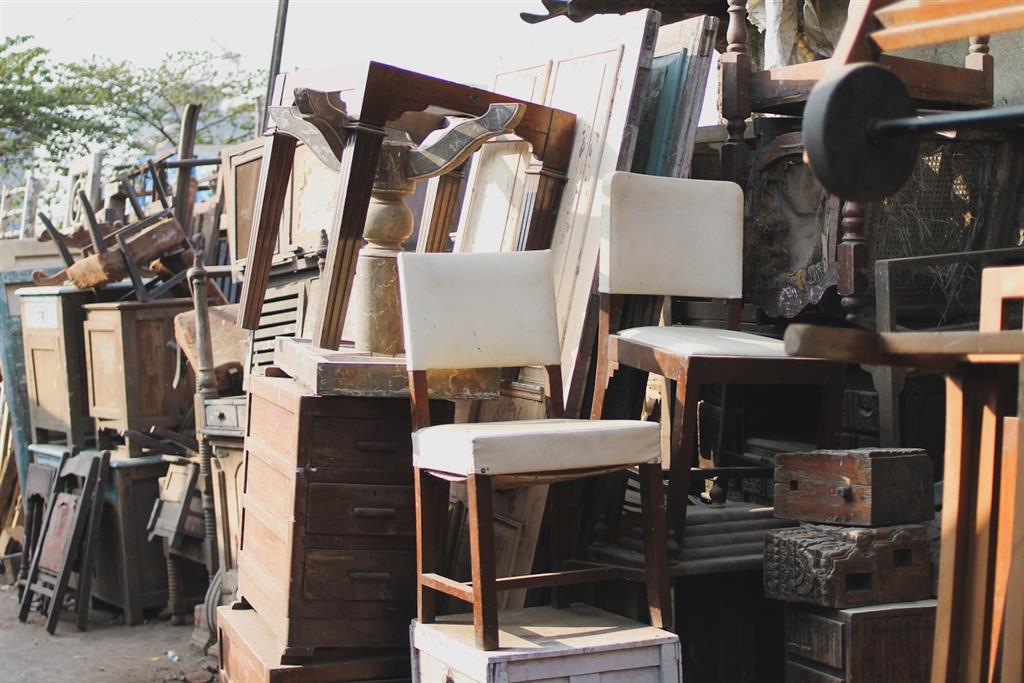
684, 442
426, 544
561, 537
481, 554
656, 572
602, 377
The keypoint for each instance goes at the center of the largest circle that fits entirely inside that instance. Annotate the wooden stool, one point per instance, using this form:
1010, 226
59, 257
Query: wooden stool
670, 237
498, 310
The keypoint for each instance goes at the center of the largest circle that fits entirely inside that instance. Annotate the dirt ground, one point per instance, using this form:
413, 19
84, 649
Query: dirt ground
108, 651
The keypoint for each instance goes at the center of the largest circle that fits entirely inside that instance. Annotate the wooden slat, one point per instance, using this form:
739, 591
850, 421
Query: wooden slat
915, 11
956, 27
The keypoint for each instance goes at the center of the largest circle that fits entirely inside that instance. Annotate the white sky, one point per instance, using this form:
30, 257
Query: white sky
462, 40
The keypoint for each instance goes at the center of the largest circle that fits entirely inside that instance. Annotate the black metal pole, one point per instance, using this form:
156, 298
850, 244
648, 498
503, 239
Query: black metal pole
998, 117
275, 57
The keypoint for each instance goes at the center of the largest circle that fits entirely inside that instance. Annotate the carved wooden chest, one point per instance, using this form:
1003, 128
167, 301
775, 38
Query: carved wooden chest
861, 644
327, 555
132, 362
847, 566
858, 487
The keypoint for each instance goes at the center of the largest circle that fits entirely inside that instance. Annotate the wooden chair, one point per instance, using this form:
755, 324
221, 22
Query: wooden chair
68, 537
38, 490
498, 310
682, 237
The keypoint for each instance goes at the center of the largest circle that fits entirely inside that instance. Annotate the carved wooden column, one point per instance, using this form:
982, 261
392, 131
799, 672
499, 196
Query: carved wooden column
543, 193
853, 254
439, 210
979, 59
734, 93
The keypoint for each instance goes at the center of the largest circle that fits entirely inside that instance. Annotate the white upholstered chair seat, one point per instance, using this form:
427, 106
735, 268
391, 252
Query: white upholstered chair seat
705, 341
534, 446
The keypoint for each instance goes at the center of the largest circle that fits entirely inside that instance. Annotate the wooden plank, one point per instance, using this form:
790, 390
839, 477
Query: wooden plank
956, 27
915, 11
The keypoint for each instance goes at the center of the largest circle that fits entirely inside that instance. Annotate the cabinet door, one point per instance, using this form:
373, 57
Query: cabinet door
104, 362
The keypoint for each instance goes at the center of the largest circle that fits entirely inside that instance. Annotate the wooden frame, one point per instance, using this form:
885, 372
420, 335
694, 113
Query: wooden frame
482, 591
690, 372
387, 92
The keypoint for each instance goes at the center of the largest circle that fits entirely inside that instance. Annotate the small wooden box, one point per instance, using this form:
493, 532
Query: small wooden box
858, 487
248, 654
51, 327
579, 644
863, 644
132, 362
327, 554
847, 566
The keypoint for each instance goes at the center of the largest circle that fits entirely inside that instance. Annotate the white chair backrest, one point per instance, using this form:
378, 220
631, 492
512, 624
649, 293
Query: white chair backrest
672, 236
478, 310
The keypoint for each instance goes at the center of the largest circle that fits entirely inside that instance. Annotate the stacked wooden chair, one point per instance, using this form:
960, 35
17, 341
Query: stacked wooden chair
498, 310
677, 237
67, 538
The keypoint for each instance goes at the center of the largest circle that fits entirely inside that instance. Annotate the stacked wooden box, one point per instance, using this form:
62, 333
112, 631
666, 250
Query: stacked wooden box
856, 574
327, 551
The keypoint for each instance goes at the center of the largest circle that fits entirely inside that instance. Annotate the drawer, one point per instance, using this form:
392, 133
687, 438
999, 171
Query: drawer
360, 509
349, 575
377, 445
815, 637
226, 416
801, 673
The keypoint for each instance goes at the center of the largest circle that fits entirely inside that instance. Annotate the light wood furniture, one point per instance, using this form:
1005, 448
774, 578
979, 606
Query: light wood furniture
327, 553
578, 644
248, 653
498, 310
979, 631
878, 643
682, 237
131, 367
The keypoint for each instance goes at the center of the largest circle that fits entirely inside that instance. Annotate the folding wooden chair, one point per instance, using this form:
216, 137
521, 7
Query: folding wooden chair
68, 537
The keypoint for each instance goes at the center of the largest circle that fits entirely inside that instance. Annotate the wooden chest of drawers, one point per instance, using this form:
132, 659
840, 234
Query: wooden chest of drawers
327, 555
877, 644
131, 361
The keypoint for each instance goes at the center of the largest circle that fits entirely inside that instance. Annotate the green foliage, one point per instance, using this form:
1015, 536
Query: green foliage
50, 111
41, 107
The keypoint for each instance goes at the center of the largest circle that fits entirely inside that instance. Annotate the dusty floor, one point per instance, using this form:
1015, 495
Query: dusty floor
108, 651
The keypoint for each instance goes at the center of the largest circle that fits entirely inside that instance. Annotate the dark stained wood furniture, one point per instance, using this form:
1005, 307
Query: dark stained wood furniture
878, 643
327, 551
131, 367
375, 95
979, 631
464, 311
36, 496
646, 216
67, 538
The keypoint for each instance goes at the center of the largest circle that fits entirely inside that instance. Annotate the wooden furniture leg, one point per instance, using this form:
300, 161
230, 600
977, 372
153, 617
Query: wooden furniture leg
684, 439
1008, 577
428, 559
561, 537
652, 502
481, 553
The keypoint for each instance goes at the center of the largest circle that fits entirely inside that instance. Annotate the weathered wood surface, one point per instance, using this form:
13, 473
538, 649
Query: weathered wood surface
327, 552
248, 654
879, 643
860, 487
547, 644
847, 566
229, 343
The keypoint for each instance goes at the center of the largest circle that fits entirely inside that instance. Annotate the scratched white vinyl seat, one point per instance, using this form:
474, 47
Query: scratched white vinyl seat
498, 310
678, 237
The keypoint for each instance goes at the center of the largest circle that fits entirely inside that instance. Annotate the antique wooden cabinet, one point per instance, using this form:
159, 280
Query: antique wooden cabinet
132, 362
890, 642
327, 554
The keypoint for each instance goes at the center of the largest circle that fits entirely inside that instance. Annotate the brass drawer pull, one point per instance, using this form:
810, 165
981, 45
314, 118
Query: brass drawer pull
375, 513
376, 446
376, 577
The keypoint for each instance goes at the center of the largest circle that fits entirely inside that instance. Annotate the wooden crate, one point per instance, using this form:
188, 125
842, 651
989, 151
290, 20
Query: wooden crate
847, 566
248, 654
328, 554
579, 644
856, 487
132, 363
878, 643
54, 343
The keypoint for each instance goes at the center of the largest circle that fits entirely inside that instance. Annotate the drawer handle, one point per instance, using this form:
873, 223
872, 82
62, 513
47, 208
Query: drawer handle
375, 513
376, 446
375, 577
